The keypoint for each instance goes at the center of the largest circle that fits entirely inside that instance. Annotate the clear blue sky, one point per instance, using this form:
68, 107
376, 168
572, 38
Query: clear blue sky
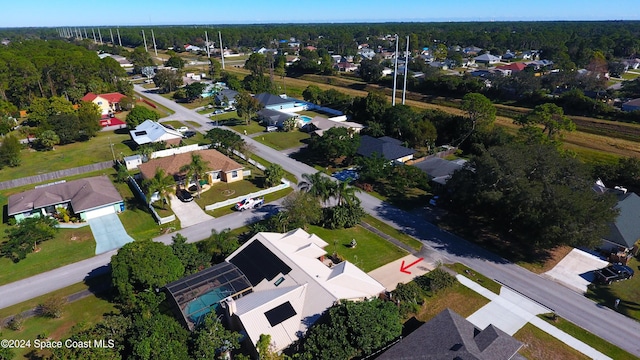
22, 13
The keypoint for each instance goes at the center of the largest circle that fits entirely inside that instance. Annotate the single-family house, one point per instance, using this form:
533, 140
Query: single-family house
124, 63
471, 50
318, 125
367, 53
226, 97
450, 336
388, 147
218, 167
512, 68
345, 66
291, 294
275, 102
150, 131
624, 232
192, 48
86, 198
274, 117
631, 105
530, 55
275, 284
632, 64
439, 170
108, 103
508, 56
487, 59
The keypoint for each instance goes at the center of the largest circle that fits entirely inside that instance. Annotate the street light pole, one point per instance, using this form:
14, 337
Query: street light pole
112, 152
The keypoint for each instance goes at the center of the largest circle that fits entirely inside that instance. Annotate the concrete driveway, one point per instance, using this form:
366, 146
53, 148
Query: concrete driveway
189, 213
109, 233
390, 275
575, 271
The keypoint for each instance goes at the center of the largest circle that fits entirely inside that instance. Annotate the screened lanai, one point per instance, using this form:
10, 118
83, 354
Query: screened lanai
196, 295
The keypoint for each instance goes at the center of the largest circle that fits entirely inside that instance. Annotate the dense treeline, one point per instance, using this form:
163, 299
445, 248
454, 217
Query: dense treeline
577, 40
38, 68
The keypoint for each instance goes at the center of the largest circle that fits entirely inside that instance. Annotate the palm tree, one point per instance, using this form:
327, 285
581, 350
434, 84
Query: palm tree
345, 194
195, 169
317, 185
163, 184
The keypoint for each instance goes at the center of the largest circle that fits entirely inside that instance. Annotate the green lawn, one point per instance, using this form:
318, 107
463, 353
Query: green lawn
393, 232
540, 345
630, 76
240, 126
282, 140
477, 277
371, 253
137, 219
628, 291
95, 150
594, 341
223, 191
458, 298
313, 113
69, 246
164, 111
87, 311
192, 124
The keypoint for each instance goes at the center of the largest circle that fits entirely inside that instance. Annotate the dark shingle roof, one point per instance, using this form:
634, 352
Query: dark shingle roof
450, 336
84, 194
625, 230
437, 167
267, 99
389, 148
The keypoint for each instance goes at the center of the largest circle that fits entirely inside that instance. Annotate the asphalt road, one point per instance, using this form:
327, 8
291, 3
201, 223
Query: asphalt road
605, 323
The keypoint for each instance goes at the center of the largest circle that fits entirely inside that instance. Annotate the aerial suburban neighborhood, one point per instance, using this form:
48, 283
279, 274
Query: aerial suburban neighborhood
319, 189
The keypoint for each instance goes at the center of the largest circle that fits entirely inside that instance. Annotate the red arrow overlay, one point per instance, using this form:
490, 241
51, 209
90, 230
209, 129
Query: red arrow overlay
404, 268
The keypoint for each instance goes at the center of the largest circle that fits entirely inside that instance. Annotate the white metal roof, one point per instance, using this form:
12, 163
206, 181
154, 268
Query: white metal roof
311, 287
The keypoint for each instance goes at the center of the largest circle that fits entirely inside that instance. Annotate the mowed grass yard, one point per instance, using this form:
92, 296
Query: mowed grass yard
628, 291
97, 149
371, 252
85, 312
283, 140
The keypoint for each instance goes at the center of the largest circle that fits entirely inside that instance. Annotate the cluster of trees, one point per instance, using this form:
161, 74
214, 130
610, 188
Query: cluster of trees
391, 180
139, 114
533, 193
23, 238
10, 151
352, 330
38, 68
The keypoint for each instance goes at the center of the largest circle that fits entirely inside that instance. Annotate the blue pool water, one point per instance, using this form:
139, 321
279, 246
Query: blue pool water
306, 119
202, 305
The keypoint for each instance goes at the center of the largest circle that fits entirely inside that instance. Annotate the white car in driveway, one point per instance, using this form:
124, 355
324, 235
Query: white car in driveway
183, 129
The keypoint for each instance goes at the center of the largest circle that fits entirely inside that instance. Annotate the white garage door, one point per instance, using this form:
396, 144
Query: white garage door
100, 212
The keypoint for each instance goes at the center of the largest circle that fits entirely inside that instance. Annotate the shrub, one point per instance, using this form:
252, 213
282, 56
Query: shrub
16, 323
52, 307
440, 280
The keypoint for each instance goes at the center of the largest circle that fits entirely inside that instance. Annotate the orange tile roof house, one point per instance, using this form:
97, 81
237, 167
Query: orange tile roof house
219, 167
109, 103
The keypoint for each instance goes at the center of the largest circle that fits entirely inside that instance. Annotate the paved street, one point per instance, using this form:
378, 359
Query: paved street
608, 324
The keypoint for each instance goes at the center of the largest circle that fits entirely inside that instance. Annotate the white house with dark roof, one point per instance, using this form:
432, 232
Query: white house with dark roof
291, 286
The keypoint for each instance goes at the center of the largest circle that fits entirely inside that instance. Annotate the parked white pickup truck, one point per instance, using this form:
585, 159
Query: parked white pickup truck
249, 203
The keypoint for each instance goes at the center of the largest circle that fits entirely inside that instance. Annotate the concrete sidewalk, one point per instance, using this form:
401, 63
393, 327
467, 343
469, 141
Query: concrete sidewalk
510, 311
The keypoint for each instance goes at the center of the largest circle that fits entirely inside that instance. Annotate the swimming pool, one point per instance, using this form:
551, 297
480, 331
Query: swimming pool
306, 119
201, 306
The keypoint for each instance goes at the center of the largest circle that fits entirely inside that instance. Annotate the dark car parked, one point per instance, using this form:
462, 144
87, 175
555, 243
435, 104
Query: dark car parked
184, 195
615, 272
188, 134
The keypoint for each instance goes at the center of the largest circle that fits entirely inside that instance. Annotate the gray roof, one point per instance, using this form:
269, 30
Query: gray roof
438, 168
274, 117
486, 57
450, 336
388, 147
625, 230
230, 94
84, 194
267, 99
